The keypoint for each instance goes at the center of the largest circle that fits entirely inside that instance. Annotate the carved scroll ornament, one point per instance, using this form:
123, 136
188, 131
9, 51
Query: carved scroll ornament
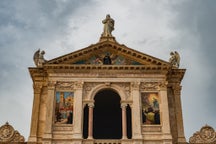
8, 134
205, 135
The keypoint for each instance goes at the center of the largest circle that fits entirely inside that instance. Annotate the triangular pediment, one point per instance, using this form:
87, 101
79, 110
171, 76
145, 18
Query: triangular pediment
108, 52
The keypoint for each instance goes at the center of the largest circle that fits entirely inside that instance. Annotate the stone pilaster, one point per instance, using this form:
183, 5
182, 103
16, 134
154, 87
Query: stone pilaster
49, 113
35, 112
164, 108
180, 128
136, 111
77, 121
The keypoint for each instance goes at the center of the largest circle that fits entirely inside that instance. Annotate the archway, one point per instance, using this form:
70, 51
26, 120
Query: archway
107, 121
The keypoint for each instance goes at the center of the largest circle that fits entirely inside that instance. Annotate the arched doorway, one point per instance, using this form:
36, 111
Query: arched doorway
107, 121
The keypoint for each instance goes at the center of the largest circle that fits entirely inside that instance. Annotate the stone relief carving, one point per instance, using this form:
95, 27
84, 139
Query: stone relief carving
79, 85
65, 85
88, 87
8, 134
206, 135
149, 86
126, 88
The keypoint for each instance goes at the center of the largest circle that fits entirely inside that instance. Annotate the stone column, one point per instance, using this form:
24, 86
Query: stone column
124, 121
136, 111
164, 111
35, 112
50, 112
180, 128
90, 122
77, 121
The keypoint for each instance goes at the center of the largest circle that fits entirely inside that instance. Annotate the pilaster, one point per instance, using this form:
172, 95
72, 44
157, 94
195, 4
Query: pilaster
167, 137
136, 111
35, 111
180, 128
50, 112
77, 121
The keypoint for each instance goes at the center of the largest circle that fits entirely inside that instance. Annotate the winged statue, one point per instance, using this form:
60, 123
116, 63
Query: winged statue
175, 59
39, 58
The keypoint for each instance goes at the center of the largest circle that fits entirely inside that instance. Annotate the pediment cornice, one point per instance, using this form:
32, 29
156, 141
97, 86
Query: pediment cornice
111, 47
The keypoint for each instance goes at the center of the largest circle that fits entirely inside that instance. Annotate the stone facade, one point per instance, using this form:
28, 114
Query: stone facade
106, 65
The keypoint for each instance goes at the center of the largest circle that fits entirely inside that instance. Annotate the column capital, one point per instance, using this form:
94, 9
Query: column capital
124, 105
135, 85
162, 85
51, 84
91, 105
78, 85
37, 87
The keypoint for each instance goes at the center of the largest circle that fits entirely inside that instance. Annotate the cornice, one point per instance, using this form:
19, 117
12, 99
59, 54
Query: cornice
111, 46
55, 68
175, 75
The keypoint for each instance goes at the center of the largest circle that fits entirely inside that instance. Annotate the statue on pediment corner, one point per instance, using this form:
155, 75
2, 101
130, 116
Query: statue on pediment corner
175, 59
39, 58
108, 26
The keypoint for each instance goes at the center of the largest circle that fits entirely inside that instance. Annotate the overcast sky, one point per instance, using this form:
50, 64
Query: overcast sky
154, 27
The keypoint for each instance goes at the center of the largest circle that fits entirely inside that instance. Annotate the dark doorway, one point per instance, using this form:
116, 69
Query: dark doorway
107, 121
85, 122
129, 126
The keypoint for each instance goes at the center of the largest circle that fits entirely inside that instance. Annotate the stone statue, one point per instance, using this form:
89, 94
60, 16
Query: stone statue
175, 59
39, 58
108, 26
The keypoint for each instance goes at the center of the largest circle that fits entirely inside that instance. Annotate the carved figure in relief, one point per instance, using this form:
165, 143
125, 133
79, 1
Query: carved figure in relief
108, 26
174, 59
39, 58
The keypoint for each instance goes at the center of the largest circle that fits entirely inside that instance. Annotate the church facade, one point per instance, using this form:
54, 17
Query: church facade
106, 93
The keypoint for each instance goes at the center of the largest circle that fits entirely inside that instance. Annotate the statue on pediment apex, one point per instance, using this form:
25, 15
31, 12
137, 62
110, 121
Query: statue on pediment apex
39, 58
108, 26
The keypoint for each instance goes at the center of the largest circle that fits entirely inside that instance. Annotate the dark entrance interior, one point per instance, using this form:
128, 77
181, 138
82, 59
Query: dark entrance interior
107, 121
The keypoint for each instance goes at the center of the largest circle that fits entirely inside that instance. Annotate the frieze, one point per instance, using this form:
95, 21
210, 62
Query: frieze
65, 85
8, 134
149, 86
206, 135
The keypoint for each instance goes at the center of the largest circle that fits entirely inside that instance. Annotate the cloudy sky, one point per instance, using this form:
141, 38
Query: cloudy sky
154, 27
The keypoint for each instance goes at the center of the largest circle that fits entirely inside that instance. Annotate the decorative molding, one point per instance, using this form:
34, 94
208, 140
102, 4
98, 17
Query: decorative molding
8, 134
88, 87
149, 86
65, 85
206, 135
126, 88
